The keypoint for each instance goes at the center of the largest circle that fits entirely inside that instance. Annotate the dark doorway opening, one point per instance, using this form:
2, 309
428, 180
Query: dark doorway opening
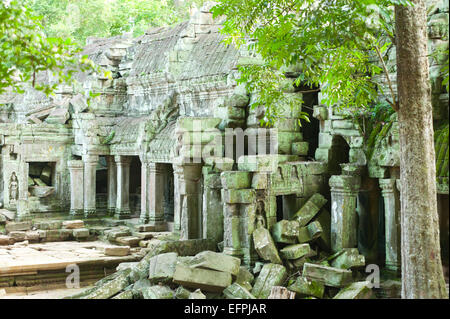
168, 193
310, 130
339, 155
135, 186
280, 215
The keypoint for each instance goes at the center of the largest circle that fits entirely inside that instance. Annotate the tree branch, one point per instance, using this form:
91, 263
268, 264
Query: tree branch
394, 103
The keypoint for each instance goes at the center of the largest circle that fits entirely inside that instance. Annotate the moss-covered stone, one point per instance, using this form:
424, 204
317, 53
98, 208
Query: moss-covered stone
270, 275
306, 287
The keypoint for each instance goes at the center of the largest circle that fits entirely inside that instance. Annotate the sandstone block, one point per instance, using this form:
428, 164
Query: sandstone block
286, 231
73, 224
237, 291
205, 279
306, 287
356, 290
350, 258
279, 292
157, 292
17, 226
329, 276
117, 250
80, 233
310, 209
197, 294
238, 196
295, 251
162, 267
131, 241
236, 179
270, 275
216, 261
265, 246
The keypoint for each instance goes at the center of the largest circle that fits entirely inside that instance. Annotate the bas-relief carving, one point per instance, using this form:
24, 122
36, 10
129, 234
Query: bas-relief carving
13, 188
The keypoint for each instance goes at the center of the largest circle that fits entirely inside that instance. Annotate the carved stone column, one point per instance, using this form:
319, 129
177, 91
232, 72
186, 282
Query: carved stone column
212, 207
144, 217
112, 185
89, 182
344, 225
76, 169
190, 197
155, 190
232, 234
177, 197
392, 223
123, 187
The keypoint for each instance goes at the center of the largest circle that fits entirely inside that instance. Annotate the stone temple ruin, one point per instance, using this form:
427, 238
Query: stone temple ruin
168, 158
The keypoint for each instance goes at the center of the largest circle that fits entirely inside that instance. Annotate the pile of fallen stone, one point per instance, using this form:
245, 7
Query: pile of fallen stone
40, 180
47, 231
298, 251
190, 269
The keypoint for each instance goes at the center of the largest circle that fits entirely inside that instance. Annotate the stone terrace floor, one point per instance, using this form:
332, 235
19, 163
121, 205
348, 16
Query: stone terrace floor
53, 255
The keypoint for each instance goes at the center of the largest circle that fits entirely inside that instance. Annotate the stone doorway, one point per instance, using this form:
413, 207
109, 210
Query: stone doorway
135, 186
339, 154
168, 192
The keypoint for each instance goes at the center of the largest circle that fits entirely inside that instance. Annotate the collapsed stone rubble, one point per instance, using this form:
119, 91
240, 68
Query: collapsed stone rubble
289, 267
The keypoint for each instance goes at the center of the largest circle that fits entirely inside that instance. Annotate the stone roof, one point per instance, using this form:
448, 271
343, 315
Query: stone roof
162, 147
129, 131
150, 53
210, 56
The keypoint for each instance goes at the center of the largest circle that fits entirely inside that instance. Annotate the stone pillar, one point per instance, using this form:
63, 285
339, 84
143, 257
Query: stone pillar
123, 187
344, 220
112, 185
76, 169
178, 180
391, 198
232, 234
23, 210
89, 182
144, 217
190, 195
155, 191
212, 222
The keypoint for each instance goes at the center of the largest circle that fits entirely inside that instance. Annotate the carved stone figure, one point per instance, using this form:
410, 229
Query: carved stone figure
13, 188
260, 220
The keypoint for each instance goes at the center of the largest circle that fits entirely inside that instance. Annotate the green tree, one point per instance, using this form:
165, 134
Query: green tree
80, 19
25, 51
333, 43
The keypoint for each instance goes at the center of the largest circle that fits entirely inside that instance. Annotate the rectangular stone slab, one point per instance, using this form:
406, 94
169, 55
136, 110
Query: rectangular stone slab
306, 287
310, 209
216, 261
295, 251
157, 292
357, 290
17, 226
350, 258
237, 291
236, 179
117, 250
205, 279
329, 276
162, 267
265, 246
112, 287
286, 231
270, 275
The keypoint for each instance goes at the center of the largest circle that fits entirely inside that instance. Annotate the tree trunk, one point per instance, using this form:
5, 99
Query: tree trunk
422, 275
